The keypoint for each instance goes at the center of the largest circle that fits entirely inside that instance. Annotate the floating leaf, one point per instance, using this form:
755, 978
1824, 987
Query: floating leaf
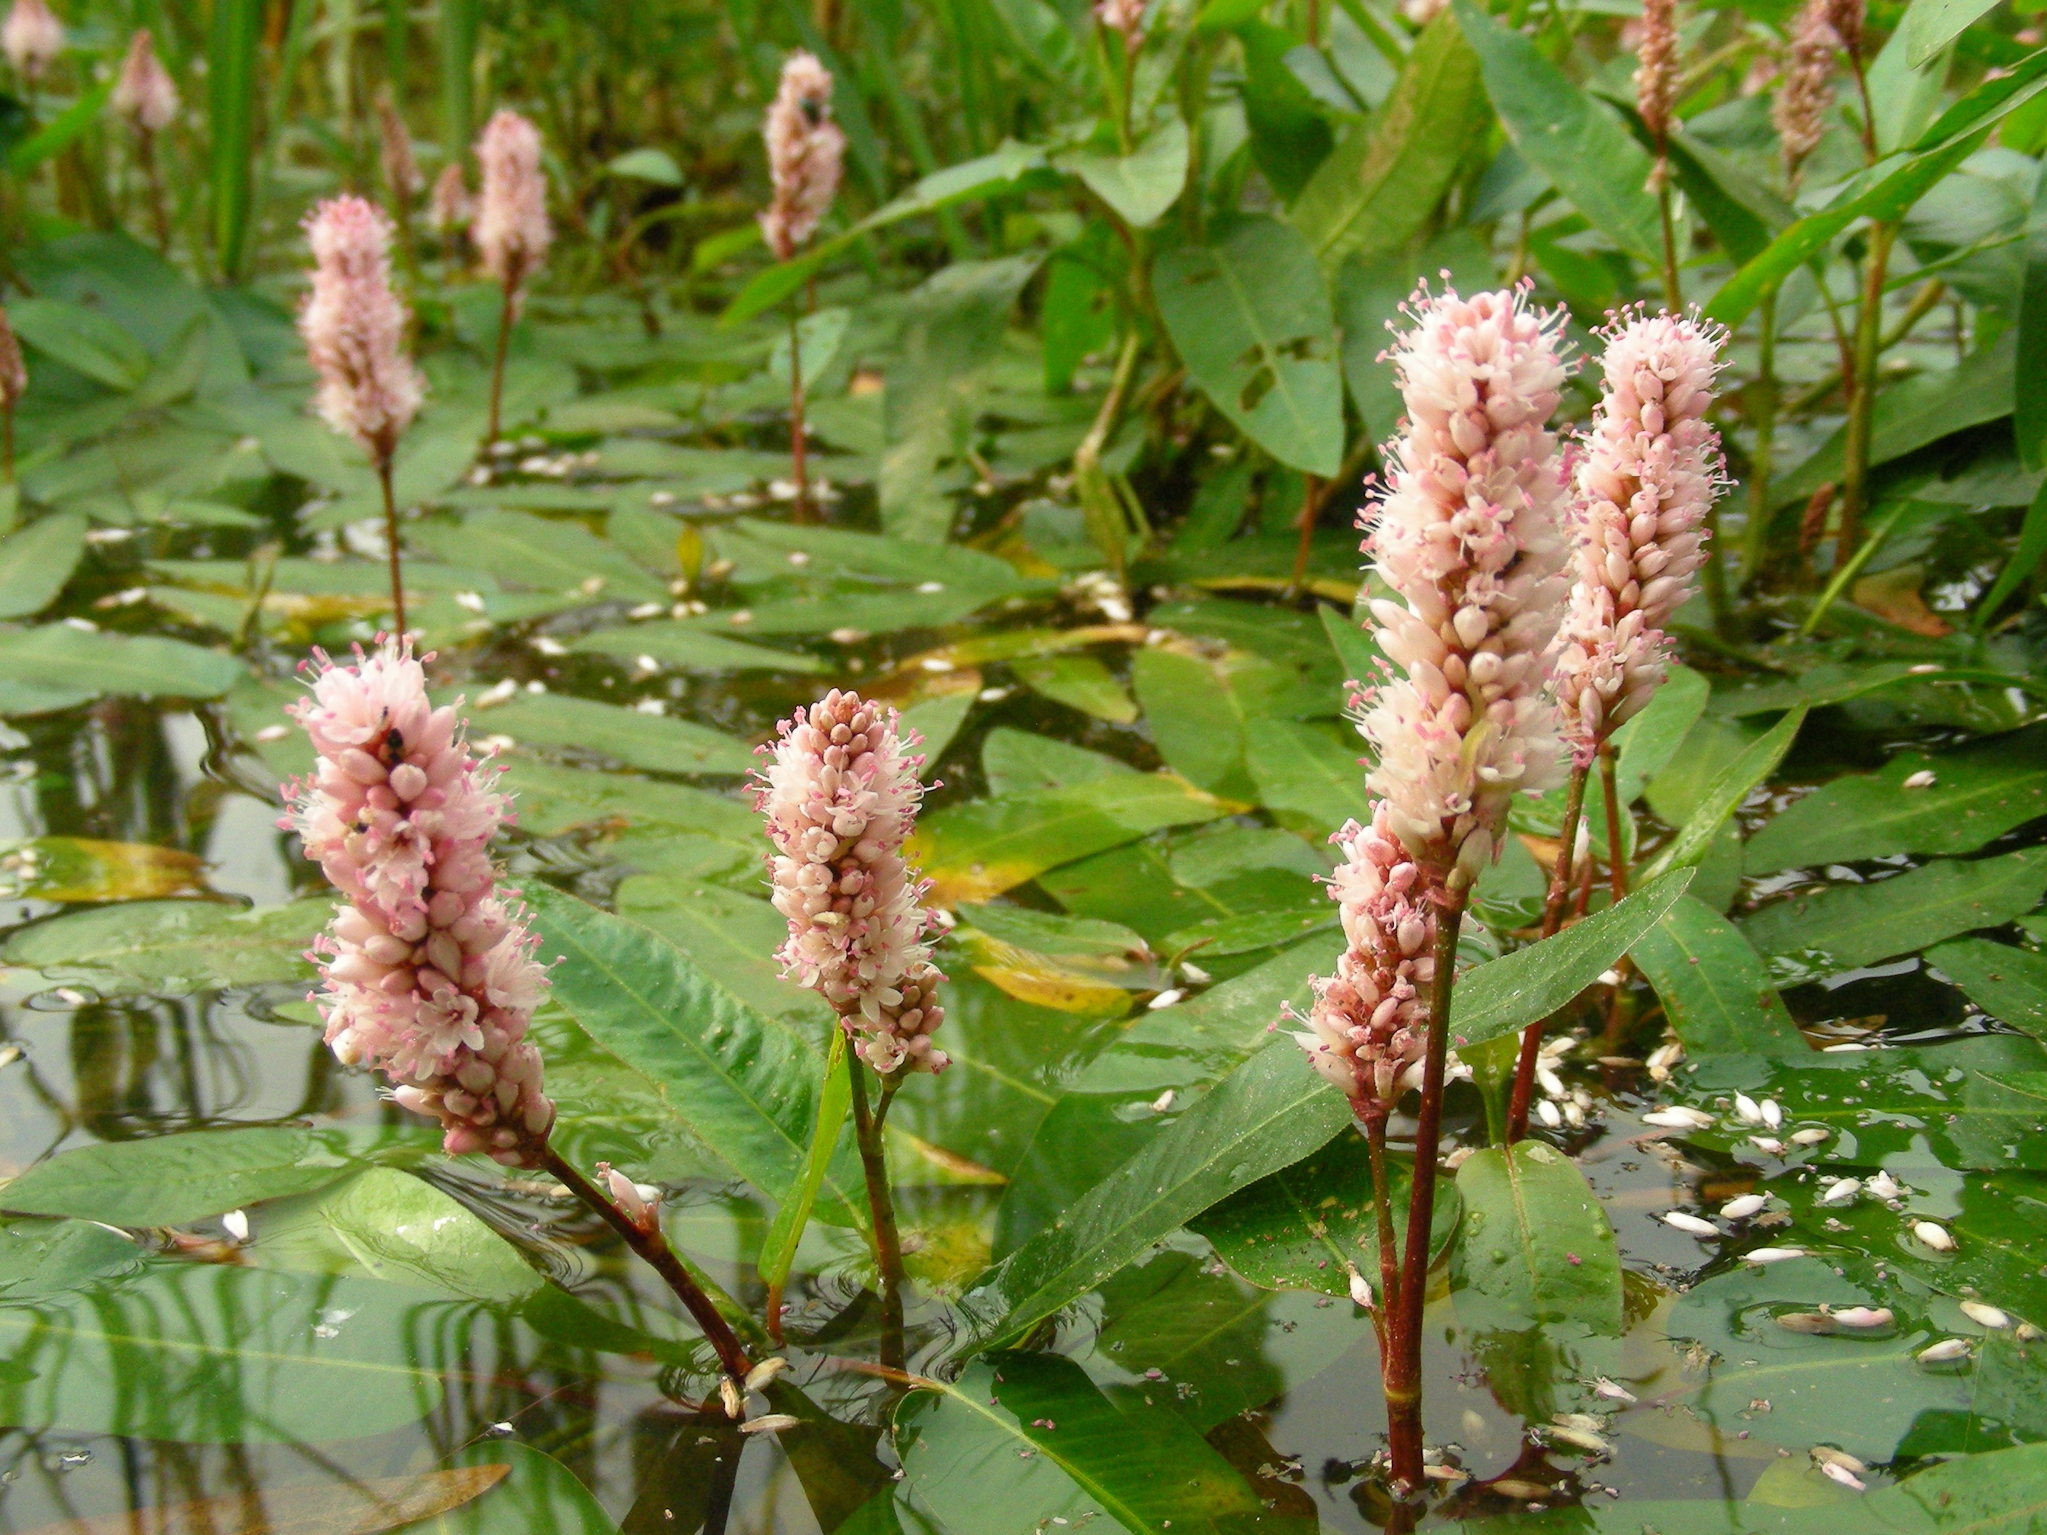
2010, 984
692, 648
1250, 316
37, 560
640, 740
1303, 1227
552, 798
1028, 1440
1534, 1246
168, 1180
1977, 794
551, 554
84, 663
216, 1354
385, 1224
171, 947
1308, 776
1080, 682
980, 849
351, 1506
1713, 985
40, 1257
83, 869
1843, 926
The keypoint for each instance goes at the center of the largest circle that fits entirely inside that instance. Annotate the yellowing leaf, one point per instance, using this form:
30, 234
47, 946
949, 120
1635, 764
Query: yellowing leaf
82, 869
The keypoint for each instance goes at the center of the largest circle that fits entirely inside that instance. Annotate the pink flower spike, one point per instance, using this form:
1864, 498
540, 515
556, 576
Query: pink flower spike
32, 38
1125, 17
840, 794
450, 207
511, 231
1648, 476
428, 967
1656, 74
805, 150
145, 94
354, 326
1469, 535
1805, 90
1369, 1025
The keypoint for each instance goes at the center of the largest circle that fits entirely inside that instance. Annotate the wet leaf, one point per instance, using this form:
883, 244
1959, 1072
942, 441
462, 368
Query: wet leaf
745, 1084
168, 1180
692, 648
1843, 926
982, 848
1265, 1115
1303, 1226
1239, 310
171, 947
1977, 794
40, 1257
530, 553
36, 561
1534, 1245
356, 1506
81, 869
649, 741
1081, 682
2008, 983
75, 664
215, 1354
1025, 1439
1713, 985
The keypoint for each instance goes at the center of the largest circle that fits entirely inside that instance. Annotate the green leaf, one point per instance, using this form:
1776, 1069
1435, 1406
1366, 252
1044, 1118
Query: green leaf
1196, 716
1353, 645
1025, 1441
746, 1086
1250, 317
1647, 743
1303, 1226
1267, 1114
1309, 777
1846, 926
1079, 681
552, 798
835, 1102
1724, 795
233, 44
1572, 137
85, 340
2029, 411
1289, 129
550, 554
1713, 986
1930, 25
168, 1180
655, 165
172, 947
692, 648
1369, 293
2032, 545
37, 560
73, 664
1534, 1246
388, 1225
1382, 184
39, 1257
650, 741
61, 131
979, 849
1528, 985
2008, 983
1914, 412
1977, 794
1143, 184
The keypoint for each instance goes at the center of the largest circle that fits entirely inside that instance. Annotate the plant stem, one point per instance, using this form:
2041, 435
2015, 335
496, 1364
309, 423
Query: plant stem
1098, 504
1552, 919
799, 466
390, 538
1402, 1367
1673, 293
1389, 1252
1616, 857
497, 365
145, 151
654, 1248
1862, 403
1763, 392
881, 1205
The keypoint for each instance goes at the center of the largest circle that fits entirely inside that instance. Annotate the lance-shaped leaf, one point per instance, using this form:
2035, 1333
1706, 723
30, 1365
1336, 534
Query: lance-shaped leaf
170, 1179
1535, 1247
1249, 314
1713, 985
37, 560
1730, 786
2010, 984
172, 947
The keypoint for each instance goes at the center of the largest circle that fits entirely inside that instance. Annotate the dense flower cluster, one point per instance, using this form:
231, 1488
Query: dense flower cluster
1368, 1028
145, 93
429, 973
1656, 66
1468, 534
840, 794
394, 147
805, 150
32, 38
1648, 476
1806, 89
354, 326
511, 230
449, 206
